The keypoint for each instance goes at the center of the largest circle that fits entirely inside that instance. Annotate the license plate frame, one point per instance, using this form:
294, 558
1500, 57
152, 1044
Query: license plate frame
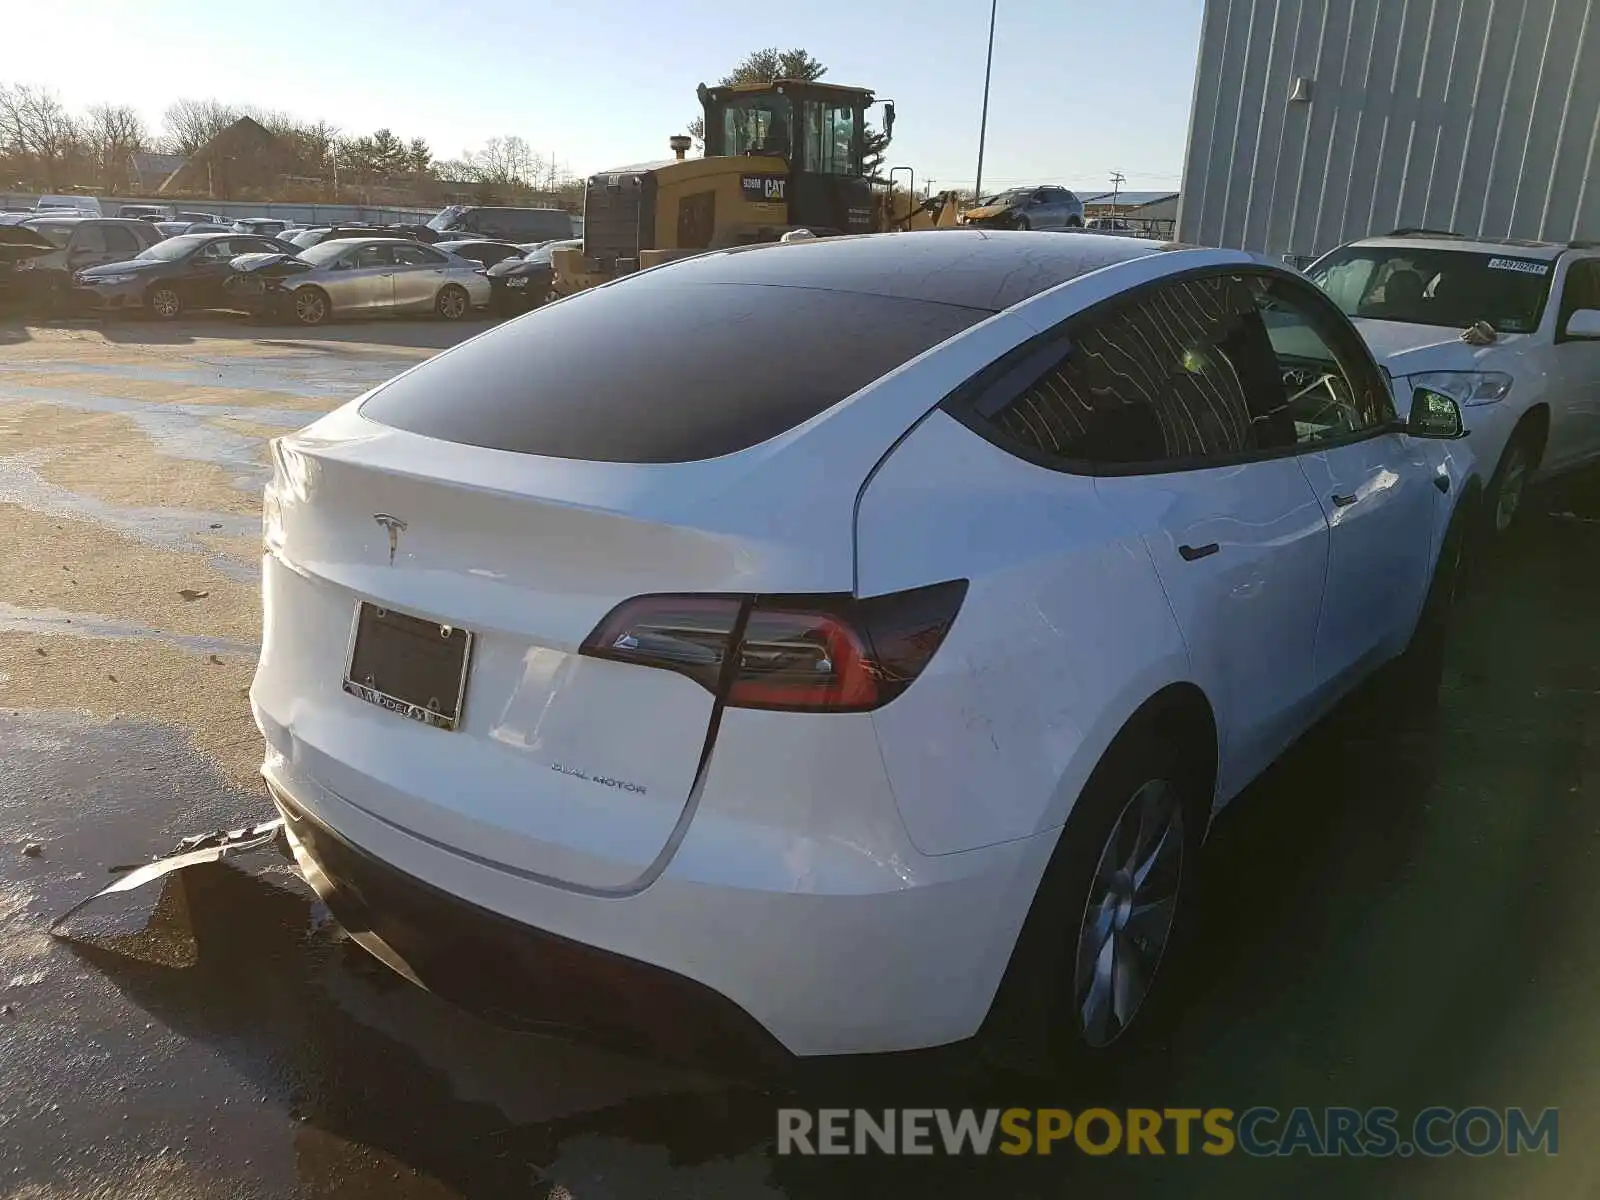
398, 634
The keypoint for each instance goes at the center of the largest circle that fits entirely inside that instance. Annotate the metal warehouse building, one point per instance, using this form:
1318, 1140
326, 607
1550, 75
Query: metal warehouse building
1318, 121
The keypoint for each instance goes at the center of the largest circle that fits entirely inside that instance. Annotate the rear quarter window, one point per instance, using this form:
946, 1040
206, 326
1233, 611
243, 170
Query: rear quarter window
656, 371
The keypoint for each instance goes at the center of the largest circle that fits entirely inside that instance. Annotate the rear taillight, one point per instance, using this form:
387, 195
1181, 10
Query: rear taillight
797, 653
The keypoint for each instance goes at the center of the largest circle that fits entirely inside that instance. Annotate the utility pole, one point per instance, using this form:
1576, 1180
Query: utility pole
983, 121
1117, 180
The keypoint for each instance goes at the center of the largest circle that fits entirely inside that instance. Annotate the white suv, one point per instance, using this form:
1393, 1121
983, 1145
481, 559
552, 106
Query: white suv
842, 639
1509, 329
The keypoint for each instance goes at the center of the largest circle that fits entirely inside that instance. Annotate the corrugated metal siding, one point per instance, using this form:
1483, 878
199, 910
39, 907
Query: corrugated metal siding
1479, 116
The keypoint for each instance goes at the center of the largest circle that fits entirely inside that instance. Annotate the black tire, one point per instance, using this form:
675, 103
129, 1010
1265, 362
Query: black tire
1502, 501
452, 303
1022, 223
163, 302
312, 306
1038, 1017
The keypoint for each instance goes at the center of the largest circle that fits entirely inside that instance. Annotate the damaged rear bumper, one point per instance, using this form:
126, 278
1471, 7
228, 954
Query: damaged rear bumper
515, 975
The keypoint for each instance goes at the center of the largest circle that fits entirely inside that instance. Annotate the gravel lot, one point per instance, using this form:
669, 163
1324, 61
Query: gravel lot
1398, 914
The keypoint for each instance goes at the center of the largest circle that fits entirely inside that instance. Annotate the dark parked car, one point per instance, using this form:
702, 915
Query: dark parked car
512, 224
180, 273
175, 228
482, 250
307, 238
424, 234
1027, 208
18, 244
519, 284
81, 243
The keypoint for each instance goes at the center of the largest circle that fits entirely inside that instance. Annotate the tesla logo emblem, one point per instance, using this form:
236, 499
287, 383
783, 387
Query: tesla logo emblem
395, 526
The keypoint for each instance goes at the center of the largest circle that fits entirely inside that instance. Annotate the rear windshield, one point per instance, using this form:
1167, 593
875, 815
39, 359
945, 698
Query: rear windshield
656, 371
1448, 288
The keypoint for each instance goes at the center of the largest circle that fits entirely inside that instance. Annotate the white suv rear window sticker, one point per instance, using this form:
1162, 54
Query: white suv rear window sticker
1524, 265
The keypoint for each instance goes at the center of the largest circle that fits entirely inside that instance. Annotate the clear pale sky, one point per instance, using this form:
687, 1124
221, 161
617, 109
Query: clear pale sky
1080, 88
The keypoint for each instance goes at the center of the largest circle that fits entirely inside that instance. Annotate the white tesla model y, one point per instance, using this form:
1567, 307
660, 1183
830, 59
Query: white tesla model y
794, 647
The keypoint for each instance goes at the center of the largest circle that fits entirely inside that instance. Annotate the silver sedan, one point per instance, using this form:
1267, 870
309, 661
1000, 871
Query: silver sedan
369, 276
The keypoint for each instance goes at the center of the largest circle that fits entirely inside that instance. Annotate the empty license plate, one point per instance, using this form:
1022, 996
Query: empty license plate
409, 666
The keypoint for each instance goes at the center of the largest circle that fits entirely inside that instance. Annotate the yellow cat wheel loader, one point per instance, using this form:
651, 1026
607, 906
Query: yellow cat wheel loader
779, 158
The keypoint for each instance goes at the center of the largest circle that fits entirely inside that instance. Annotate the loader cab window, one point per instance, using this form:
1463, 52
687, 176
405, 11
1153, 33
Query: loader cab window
757, 125
830, 139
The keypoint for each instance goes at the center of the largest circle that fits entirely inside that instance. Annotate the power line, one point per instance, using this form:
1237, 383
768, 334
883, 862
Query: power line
1074, 177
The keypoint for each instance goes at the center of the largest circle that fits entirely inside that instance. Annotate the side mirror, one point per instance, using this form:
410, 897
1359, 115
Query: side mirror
1585, 323
1435, 415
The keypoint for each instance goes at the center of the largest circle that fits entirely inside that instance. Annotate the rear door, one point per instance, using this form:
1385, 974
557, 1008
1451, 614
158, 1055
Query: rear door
122, 242
1055, 204
88, 247
1162, 401
419, 273
1037, 210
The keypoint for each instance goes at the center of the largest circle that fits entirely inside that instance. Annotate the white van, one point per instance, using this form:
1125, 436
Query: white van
87, 205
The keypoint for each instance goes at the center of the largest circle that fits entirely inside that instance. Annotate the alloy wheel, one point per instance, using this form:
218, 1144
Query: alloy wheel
166, 303
1128, 919
452, 304
310, 308
1513, 482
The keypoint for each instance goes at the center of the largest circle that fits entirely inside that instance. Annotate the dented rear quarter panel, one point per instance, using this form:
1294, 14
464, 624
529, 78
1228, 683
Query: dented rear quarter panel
1065, 632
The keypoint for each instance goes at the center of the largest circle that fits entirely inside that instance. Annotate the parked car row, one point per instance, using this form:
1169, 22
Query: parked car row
117, 265
164, 262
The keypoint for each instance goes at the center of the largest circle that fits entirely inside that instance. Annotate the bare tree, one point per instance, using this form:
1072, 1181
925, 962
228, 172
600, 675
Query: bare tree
461, 170
36, 127
190, 124
506, 160
113, 134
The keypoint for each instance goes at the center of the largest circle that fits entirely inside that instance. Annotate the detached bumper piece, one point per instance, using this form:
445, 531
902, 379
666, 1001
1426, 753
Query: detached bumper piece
192, 851
520, 977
